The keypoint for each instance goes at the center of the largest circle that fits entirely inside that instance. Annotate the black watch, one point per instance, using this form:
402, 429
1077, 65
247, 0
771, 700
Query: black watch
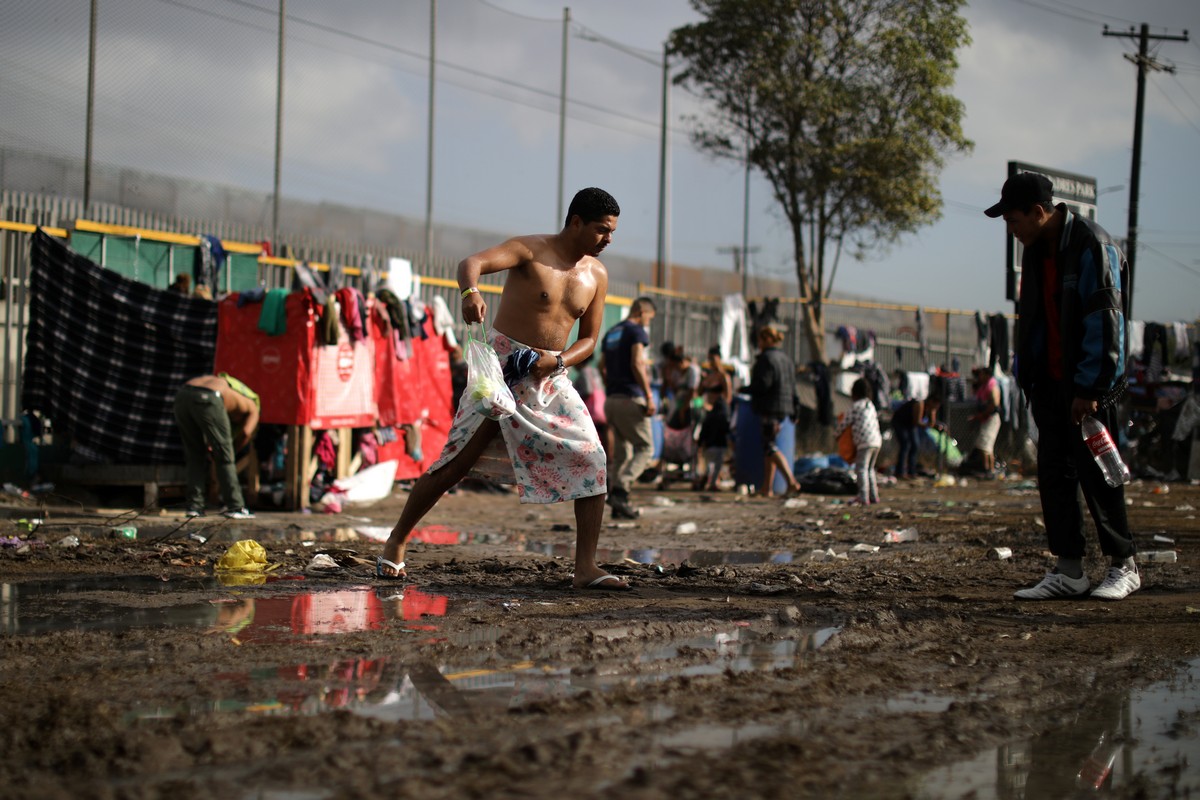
561, 366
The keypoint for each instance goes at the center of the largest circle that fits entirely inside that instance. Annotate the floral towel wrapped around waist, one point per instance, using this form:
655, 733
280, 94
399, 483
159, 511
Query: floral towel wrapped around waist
548, 447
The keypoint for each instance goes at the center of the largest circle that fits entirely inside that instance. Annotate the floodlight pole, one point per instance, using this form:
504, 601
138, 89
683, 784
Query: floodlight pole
278, 131
429, 151
91, 111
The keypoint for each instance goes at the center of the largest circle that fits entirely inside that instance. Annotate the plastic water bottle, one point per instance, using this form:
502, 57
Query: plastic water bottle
1108, 458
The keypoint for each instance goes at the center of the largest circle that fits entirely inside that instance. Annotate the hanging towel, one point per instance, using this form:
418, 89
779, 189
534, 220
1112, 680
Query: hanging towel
272, 319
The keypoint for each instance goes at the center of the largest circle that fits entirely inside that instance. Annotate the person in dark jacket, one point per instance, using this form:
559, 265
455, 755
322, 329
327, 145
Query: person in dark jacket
772, 393
1071, 353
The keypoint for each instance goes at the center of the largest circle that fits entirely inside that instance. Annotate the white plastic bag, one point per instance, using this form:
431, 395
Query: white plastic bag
486, 390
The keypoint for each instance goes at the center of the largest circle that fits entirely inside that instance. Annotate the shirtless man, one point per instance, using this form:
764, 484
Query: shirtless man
549, 447
207, 409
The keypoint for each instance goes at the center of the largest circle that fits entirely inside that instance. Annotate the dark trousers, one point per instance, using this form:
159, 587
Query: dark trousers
909, 439
204, 427
1065, 465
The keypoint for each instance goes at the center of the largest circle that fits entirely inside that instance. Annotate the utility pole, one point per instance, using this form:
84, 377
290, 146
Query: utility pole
741, 262
1144, 61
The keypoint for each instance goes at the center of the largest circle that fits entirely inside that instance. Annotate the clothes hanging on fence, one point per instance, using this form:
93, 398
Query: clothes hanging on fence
1155, 354
443, 321
209, 259
998, 342
823, 390
983, 338
272, 319
1182, 347
132, 346
1137, 337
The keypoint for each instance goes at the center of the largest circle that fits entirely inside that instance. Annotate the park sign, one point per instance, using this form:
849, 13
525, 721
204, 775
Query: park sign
1077, 191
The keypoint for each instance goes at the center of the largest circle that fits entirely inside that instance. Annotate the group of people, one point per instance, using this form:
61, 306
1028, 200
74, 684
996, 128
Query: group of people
1070, 346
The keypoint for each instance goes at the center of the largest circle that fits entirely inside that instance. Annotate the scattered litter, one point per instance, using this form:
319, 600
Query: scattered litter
622, 524
68, 541
795, 502
13, 489
245, 555
1193, 610
767, 588
1158, 537
322, 563
1184, 507
1162, 488
195, 537
128, 532
1000, 553
865, 548
826, 555
560, 526
790, 616
11, 541
686, 527
28, 525
664, 502
895, 536
1041, 523
1159, 556
888, 513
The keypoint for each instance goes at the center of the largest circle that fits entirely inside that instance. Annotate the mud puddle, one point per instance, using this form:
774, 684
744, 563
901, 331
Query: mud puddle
1143, 740
394, 690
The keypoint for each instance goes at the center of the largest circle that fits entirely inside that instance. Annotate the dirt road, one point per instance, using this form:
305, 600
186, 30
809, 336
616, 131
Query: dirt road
743, 664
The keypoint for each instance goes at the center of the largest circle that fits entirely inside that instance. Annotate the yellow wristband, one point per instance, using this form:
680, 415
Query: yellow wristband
469, 290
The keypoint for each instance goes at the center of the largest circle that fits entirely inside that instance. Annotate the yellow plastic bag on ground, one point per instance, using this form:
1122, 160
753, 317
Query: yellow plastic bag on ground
246, 555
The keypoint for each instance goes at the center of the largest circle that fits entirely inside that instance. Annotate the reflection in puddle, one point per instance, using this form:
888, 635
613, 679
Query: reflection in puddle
1114, 743
697, 558
103, 604
124, 603
392, 690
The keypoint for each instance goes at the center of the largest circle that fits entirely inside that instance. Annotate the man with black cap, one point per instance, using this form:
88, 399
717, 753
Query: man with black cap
1071, 352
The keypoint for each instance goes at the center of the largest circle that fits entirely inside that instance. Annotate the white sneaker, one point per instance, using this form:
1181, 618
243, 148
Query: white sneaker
237, 513
1054, 586
1119, 583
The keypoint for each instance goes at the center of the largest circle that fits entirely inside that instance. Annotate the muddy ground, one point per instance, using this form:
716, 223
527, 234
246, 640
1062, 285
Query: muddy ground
739, 666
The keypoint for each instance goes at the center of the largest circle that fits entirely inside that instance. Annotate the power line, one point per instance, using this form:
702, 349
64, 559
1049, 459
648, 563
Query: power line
1185, 117
495, 7
1172, 260
651, 124
1183, 89
1051, 10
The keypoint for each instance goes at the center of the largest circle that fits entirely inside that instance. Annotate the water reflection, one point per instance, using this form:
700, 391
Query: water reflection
1116, 742
697, 558
393, 689
124, 603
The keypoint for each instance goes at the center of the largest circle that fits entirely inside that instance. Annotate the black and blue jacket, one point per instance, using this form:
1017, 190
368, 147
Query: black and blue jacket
1094, 283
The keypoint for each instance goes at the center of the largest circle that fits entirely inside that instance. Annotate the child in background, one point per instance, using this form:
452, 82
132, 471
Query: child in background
864, 422
714, 435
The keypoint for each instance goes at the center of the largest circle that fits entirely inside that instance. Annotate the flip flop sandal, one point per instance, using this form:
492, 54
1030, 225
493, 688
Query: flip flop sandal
381, 562
599, 583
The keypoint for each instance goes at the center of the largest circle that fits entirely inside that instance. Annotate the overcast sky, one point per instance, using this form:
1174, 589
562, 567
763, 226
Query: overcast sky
187, 87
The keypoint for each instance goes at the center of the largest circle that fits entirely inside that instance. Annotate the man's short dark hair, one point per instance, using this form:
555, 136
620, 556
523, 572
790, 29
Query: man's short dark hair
641, 303
591, 204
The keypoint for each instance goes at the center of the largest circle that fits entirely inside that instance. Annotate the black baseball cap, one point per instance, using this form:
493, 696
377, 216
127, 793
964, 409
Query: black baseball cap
1022, 191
